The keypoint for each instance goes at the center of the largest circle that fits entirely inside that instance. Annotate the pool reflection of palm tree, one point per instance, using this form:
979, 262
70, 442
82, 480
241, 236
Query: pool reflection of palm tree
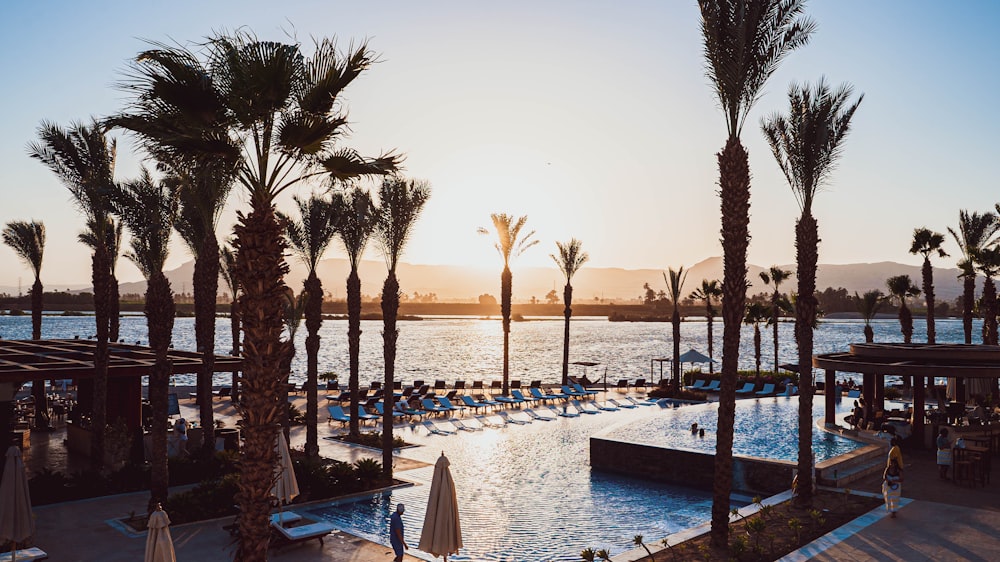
708, 292
975, 230
570, 259
510, 244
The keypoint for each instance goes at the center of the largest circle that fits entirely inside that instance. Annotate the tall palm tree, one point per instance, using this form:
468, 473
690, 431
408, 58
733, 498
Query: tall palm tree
744, 42
709, 291
510, 244
309, 237
27, 239
868, 306
925, 243
975, 230
357, 222
776, 275
149, 209
227, 268
400, 204
987, 261
114, 300
756, 313
84, 160
179, 115
675, 287
902, 287
807, 143
570, 259
294, 310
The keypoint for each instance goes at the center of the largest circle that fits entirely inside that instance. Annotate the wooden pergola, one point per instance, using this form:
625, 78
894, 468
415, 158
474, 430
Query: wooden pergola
920, 361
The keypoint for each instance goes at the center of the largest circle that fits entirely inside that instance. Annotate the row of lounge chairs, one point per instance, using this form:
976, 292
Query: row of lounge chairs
749, 388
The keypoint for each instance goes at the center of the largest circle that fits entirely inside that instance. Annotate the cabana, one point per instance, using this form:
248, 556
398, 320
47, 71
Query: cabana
921, 361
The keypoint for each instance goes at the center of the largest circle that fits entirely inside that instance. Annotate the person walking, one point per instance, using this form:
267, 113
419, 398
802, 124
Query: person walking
892, 486
396, 533
943, 453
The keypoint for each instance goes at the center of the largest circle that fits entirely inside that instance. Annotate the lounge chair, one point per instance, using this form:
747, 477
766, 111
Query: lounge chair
713, 386
364, 416
639, 402
459, 425
578, 388
488, 401
747, 388
404, 409
445, 403
576, 404
429, 405
440, 385
452, 395
698, 385
337, 414
485, 421
570, 392
301, 533
224, 392
418, 383
374, 386
516, 383
639, 382
422, 389
622, 404
535, 384
407, 392
469, 402
285, 517
622, 385
606, 407
496, 386
431, 427
536, 393
460, 386
380, 409
768, 390
477, 385
790, 390
508, 400
534, 415
507, 418
518, 395
564, 413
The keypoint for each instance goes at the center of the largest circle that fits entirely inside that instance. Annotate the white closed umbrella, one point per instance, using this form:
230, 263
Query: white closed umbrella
286, 487
17, 523
442, 532
159, 544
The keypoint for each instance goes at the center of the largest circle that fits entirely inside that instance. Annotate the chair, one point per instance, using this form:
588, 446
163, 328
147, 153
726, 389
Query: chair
570, 392
638, 403
578, 388
621, 404
516, 383
364, 416
534, 415
301, 533
469, 402
375, 385
507, 418
418, 383
508, 400
380, 408
434, 429
445, 403
422, 389
768, 390
747, 388
713, 386
459, 425
452, 395
535, 384
332, 385
489, 402
606, 407
519, 396
407, 392
440, 385
337, 414
222, 392
537, 394
485, 422
460, 386
496, 386
429, 405
478, 385
407, 411
579, 406
285, 517
698, 385
622, 385
563, 413
639, 382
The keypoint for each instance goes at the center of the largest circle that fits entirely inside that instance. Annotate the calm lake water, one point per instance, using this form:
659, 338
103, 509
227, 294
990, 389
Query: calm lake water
466, 348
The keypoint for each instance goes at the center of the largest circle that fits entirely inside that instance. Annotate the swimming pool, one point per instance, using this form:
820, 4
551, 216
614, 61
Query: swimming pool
527, 493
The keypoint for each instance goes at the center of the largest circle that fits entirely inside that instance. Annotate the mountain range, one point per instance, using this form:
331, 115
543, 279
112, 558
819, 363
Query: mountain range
458, 283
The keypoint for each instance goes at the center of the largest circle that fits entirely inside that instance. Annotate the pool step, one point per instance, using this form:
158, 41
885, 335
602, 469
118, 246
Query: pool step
843, 470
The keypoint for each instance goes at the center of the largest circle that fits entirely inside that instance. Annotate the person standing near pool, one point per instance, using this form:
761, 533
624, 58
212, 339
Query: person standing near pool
892, 486
396, 533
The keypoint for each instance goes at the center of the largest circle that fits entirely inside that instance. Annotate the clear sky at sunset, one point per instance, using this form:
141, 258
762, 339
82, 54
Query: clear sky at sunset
595, 119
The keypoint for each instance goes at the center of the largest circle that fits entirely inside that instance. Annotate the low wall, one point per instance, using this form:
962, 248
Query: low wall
751, 476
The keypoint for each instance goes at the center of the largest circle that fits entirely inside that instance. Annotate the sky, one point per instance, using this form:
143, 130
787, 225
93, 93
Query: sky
594, 119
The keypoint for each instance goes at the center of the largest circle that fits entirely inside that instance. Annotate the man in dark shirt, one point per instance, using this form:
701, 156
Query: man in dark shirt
396, 533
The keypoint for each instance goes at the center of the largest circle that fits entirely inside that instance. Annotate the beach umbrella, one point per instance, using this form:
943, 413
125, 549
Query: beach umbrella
442, 532
17, 523
159, 544
286, 487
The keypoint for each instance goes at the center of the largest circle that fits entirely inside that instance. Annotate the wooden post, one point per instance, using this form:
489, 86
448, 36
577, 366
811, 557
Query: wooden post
879, 404
831, 397
918, 410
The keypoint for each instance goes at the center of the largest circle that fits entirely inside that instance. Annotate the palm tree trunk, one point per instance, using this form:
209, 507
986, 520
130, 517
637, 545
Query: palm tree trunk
38, 386
905, 321
115, 315
314, 320
101, 274
36, 310
206, 287
260, 267
234, 323
567, 314
928, 275
734, 184
675, 324
506, 288
869, 334
354, 344
709, 313
160, 321
390, 308
806, 258
774, 319
756, 347
968, 301
989, 312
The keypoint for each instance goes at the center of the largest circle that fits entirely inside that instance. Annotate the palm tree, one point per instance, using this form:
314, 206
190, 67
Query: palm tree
987, 260
807, 143
179, 115
357, 222
84, 160
400, 204
902, 287
27, 239
114, 300
868, 306
675, 287
294, 310
708, 291
510, 244
777, 275
309, 238
925, 243
756, 313
570, 259
744, 41
975, 230
227, 268
149, 210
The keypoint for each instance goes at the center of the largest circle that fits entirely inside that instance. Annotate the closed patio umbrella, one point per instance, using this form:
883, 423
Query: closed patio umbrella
159, 544
17, 523
286, 487
442, 532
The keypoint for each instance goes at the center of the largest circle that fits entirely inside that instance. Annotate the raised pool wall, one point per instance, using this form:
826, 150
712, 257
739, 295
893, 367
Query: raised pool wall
751, 476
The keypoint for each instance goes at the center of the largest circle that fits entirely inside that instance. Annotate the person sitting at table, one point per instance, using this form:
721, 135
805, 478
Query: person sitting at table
943, 453
978, 414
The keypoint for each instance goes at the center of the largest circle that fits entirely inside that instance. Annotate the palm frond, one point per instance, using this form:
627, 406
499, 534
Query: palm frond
901, 287
400, 204
27, 239
510, 243
358, 216
311, 235
148, 209
571, 257
346, 165
227, 268
675, 283
869, 304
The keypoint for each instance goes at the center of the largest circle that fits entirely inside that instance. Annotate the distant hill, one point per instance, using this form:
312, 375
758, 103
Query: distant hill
457, 283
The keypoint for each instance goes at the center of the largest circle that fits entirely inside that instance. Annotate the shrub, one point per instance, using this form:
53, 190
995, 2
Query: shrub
373, 439
208, 500
369, 471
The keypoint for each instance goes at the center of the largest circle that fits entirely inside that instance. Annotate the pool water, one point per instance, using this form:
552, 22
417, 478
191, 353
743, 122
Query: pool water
527, 493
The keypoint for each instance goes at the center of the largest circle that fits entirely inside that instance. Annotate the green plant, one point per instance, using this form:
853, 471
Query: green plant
738, 546
328, 376
637, 540
705, 552
588, 554
295, 416
765, 511
755, 528
817, 517
796, 526
369, 471
603, 554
